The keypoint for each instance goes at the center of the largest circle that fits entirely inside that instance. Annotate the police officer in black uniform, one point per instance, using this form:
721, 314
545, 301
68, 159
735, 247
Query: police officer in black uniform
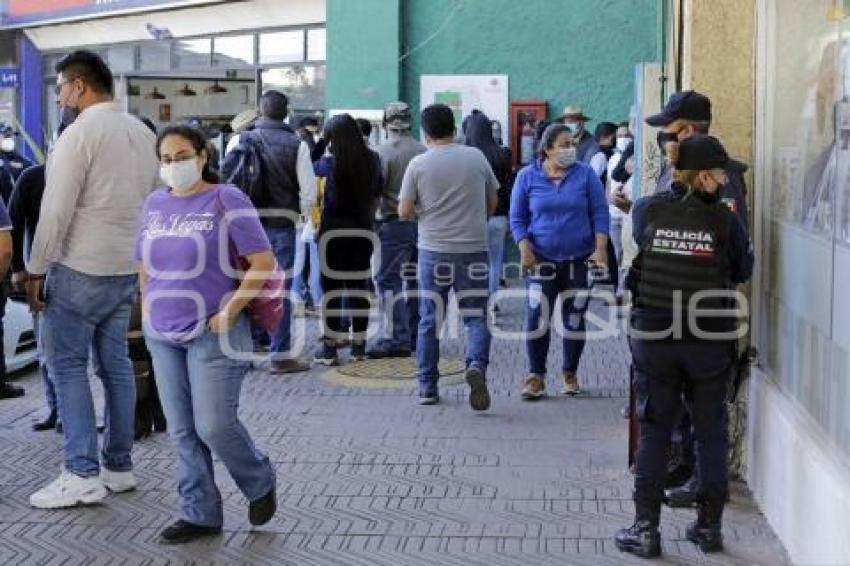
12, 163
693, 249
685, 114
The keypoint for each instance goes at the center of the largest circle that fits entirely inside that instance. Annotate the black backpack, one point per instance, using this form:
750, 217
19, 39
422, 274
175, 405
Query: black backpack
244, 167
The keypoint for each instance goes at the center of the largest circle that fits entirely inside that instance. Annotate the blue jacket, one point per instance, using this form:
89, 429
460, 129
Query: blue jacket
560, 222
739, 250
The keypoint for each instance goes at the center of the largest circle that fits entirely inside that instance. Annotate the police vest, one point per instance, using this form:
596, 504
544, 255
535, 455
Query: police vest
684, 253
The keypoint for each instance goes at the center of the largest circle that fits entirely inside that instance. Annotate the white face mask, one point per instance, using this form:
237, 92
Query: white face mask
623, 143
564, 157
180, 175
8, 144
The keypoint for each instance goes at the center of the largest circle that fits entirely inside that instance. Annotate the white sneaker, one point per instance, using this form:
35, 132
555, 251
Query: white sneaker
69, 490
118, 482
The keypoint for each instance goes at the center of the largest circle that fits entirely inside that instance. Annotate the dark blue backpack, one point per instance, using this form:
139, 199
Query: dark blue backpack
243, 167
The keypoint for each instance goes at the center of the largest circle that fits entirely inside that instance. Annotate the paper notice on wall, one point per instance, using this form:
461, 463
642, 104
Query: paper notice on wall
465, 93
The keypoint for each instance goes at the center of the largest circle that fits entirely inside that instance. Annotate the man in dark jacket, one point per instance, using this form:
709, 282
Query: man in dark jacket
686, 114
12, 163
290, 192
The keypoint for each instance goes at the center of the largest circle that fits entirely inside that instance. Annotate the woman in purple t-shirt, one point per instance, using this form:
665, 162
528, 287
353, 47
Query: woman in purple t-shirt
193, 320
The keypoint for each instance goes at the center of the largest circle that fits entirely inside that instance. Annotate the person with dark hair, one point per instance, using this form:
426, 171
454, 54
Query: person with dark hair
365, 127
187, 320
397, 237
479, 134
274, 105
24, 211
693, 251
616, 177
605, 134
308, 127
99, 174
451, 188
12, 163
353, 184
289, 192
559, 220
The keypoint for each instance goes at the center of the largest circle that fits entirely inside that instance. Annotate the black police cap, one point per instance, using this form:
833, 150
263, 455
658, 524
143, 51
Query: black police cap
701, 152
686, 105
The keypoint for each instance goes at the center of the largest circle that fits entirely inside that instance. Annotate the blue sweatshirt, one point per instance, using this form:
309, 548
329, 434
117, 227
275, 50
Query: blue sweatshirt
560, 221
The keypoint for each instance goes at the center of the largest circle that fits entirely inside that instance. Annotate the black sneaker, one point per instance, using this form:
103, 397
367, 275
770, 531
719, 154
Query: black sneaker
479, 396
641, 539
326, 355
184, 531
48, 423
358, 351
9, 391
263, 509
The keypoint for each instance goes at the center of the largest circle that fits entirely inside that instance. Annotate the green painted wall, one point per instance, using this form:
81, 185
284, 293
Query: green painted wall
565, 51
363, 53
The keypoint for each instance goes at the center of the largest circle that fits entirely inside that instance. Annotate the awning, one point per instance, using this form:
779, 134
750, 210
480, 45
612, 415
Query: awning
204, 20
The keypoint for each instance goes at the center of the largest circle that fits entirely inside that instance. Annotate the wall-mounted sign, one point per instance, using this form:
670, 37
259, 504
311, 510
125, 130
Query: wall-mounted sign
9, 77
21, 13
465, 93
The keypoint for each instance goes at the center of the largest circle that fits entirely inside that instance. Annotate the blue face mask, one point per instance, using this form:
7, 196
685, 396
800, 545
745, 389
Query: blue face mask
573, 127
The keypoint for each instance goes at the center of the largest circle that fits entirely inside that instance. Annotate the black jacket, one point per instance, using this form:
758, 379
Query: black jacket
24, 209
280, 158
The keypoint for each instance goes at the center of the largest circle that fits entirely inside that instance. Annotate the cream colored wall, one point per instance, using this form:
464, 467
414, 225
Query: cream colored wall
719, 61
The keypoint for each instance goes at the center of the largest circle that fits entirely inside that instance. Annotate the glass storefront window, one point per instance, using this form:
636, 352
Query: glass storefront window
233, 51
303, 84
282, 47
193, 54
121, 58
155, 56
804, 336
316, 44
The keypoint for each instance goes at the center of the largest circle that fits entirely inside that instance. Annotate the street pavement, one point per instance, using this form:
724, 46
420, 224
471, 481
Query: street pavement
367, 477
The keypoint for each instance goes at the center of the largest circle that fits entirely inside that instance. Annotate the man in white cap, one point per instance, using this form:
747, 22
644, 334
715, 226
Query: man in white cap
586, 146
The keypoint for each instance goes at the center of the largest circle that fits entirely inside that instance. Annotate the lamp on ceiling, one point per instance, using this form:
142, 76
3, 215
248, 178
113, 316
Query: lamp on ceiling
186, 91
215, 89
155, 95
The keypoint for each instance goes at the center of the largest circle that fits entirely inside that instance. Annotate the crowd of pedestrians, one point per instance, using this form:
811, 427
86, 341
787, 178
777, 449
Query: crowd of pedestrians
120, 218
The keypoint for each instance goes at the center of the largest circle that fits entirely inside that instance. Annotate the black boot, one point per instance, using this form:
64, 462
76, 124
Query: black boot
642, 538
705, 532
680, 465
684, 496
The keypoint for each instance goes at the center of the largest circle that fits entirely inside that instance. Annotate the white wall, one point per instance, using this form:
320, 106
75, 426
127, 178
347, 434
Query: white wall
799, 479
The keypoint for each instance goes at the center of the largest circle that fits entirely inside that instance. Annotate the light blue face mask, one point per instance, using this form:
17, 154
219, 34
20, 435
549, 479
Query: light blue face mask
573, 127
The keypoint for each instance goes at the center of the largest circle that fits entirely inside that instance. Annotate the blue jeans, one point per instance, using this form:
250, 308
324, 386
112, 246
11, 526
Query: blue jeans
283, 246
199, 389
398, 244
551, 279
90, 314
299, 289
497, 229
438, 274
49, 388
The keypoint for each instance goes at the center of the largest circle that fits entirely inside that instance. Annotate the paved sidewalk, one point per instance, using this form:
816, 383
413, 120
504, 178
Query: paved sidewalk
366, 477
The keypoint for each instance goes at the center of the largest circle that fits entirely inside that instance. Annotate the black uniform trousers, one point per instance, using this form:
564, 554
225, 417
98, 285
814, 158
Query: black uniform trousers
667, 371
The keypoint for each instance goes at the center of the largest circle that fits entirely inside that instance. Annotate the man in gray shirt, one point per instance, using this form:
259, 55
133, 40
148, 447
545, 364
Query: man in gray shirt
452, 189
397, 236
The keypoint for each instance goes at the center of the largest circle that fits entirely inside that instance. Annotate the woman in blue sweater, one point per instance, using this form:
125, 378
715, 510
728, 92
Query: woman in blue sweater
559, 219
